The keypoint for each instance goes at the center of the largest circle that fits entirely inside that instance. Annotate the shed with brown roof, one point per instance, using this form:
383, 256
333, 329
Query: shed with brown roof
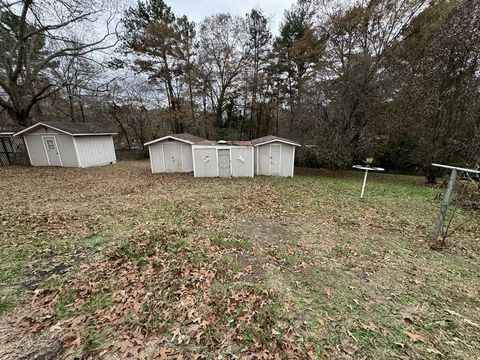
274, 156
172, 153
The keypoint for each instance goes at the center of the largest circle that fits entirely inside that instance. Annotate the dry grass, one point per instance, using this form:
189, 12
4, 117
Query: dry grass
114, 261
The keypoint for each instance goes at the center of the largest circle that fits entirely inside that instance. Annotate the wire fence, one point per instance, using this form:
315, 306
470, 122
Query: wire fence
12, 151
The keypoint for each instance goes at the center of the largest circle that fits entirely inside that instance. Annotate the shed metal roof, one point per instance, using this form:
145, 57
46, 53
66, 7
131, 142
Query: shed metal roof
184, 137
73, 129
270, 138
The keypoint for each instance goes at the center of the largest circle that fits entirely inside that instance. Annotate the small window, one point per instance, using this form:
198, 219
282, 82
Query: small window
50, 145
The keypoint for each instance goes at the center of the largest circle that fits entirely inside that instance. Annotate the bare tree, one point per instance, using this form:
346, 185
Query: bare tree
223, 52
35, 36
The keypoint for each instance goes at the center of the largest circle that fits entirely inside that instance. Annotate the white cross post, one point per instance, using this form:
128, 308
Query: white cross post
442, 213
367, 169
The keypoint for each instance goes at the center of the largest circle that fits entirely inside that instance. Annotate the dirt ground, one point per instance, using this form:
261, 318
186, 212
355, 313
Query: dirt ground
115, 263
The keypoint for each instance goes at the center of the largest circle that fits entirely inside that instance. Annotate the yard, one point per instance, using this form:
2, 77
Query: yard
116, 262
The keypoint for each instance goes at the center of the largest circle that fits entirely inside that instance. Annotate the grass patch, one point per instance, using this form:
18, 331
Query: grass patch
228, 266
224, 239
5, 304
95, 340
97, 301
283, 253
62, 306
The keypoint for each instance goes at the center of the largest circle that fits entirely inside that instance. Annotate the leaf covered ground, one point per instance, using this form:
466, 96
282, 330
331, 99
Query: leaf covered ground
115, 262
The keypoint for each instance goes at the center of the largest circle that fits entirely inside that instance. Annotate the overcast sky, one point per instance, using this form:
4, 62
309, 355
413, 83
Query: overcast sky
196, 10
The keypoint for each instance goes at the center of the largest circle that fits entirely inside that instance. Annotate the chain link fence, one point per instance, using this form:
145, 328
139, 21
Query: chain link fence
12, 151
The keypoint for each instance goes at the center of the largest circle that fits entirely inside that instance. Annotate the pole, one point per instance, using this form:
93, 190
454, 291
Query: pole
364, 183
442, 213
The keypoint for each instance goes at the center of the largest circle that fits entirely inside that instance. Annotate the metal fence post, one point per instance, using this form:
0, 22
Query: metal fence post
442, 213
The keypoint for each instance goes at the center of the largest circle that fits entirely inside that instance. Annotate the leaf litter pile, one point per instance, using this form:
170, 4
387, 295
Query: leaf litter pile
117, 263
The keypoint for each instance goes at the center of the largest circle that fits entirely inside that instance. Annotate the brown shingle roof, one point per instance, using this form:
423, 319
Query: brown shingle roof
189, 137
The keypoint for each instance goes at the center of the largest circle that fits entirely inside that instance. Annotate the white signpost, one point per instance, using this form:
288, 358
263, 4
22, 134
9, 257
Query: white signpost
442, 213
367, 169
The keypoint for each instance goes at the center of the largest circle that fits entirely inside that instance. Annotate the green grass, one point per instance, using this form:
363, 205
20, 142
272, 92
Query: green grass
5, 304
98, 301
226, 240
228, 266
95, 340
304, 258
63, 304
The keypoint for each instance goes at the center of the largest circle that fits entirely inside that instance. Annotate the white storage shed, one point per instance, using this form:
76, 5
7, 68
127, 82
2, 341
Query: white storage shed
172, 153
69, 144
223, 159
274, 156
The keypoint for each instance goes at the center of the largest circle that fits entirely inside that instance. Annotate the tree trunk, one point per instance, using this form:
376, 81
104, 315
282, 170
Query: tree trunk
21, 117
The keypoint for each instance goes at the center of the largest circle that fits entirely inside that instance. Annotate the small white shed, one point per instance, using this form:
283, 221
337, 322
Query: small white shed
172, 153
223, 159
68, 144
274, 156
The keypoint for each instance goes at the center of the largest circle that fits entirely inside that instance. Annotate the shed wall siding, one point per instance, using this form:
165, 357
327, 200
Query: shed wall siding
286, 160
95, 150
242, 168
205, 168
43, 131
187, 158
180, 151
263, 160
36, 148
67, 150
156, 158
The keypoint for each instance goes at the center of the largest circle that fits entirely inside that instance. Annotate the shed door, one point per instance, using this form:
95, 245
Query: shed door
224, 163
52, 150
275, 159
173, 157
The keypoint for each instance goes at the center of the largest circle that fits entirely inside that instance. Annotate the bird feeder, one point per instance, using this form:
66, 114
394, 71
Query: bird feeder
366, 168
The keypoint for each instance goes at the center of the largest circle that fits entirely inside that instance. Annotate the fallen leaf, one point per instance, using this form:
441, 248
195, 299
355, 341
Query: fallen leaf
163, 354
434, 351
470, 322
328, 292
415, 337
371, 326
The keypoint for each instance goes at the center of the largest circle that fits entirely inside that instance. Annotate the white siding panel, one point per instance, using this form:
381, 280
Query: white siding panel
287, 159
95, 150
156, 158
242, 162
171, 156
66, 150
187, 158
64, 143
205, 162
264, 159
36, 150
